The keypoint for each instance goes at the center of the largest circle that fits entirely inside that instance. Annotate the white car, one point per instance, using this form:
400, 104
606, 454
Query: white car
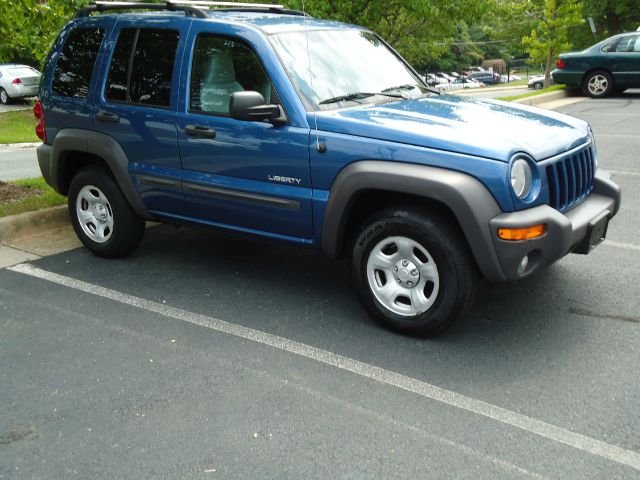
18, 81
536, 82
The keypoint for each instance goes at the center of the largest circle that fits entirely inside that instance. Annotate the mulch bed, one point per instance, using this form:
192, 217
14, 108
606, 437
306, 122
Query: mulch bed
10, 193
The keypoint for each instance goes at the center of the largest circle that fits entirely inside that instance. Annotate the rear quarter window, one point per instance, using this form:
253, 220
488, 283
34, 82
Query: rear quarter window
76, 62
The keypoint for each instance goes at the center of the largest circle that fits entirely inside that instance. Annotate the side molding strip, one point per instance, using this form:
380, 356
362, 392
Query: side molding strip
243, 196
158, 181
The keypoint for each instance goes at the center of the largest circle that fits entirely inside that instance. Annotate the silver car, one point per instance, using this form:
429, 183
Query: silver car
18, 81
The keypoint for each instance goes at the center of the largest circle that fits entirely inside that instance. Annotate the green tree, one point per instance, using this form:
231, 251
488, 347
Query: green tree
613, 16
420, 30
550, 34
28, 27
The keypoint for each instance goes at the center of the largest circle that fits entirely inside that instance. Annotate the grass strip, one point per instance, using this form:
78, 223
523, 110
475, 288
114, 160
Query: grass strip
552, 88
18, 127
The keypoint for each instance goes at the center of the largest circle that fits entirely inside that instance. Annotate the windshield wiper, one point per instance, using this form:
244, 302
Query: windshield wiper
406, 86
411, 86
349, 97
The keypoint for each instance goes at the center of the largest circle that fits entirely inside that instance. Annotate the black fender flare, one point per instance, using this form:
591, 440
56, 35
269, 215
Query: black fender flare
100, 145
468, 199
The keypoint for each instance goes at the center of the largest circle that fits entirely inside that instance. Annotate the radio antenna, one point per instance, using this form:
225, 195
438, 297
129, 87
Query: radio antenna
319, 148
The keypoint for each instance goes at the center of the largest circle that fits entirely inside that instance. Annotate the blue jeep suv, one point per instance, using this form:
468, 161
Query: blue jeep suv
265, 121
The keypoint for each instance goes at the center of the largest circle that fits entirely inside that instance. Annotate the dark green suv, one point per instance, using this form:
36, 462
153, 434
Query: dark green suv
610, 66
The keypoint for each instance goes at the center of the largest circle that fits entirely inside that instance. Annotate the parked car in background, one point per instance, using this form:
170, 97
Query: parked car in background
446, 76
610, 66
461, 83
18, 81
538, 82
433, 80
488, 78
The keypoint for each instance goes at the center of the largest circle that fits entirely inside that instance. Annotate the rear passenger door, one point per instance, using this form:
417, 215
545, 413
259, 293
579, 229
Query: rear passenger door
136, 105
246, 175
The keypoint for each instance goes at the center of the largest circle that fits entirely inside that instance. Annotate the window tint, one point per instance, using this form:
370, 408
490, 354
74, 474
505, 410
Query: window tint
148, 81
76, 61
221, 67
119, 69
626, 44
629, 43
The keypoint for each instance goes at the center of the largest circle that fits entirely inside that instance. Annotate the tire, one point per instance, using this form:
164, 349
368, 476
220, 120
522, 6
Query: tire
4, 97
537, 85
101, 215
598, 84
425, 264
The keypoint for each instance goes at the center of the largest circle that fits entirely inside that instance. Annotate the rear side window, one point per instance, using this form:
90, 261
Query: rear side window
142, 67
76, 62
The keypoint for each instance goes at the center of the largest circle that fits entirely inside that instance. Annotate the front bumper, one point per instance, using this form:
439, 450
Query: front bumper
565, 232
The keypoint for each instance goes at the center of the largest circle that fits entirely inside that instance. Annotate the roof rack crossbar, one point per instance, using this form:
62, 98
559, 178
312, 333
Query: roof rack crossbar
207, 3
102, 6
240, 7
194, 8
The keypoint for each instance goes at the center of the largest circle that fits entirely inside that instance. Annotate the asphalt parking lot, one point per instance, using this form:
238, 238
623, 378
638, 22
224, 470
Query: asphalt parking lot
210, 356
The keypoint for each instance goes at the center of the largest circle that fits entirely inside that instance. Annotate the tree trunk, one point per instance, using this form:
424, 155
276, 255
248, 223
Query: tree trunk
547, 70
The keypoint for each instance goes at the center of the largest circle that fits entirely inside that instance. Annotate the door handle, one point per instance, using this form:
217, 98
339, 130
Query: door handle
199, 131
107, 117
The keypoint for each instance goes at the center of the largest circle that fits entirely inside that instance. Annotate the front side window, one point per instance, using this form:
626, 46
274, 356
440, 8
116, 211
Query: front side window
76, 62
220, 67
327, 64
142, 67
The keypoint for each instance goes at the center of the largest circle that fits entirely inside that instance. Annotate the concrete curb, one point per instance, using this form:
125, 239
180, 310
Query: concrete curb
29, 224
543, 98
20, 145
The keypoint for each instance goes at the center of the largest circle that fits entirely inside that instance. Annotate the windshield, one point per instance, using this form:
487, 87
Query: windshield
344, 68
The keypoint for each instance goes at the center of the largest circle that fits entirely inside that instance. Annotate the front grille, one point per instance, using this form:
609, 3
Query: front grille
571, 179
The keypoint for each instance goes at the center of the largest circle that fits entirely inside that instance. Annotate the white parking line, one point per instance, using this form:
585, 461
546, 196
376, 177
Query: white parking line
628, 246
424, 389
624, 173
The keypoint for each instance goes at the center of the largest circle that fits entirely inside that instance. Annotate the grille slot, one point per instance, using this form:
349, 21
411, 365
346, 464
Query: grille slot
570, 179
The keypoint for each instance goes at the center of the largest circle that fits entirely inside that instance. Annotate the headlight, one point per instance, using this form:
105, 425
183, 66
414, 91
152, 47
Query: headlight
521, 178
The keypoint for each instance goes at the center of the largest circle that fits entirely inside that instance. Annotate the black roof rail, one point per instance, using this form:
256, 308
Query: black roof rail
194, 8
239, 6
100, 6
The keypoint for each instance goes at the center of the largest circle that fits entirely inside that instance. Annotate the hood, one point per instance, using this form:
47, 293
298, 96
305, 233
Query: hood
478, 127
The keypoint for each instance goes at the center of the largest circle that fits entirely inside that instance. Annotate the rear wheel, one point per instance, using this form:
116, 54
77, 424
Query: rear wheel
101, 216
598, 84
538, 85
413, 271
4, 97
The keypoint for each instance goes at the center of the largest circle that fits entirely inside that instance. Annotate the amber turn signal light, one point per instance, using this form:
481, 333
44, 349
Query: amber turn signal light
522, 233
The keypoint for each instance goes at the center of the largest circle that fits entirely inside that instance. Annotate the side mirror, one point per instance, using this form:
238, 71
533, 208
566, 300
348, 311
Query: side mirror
250, 106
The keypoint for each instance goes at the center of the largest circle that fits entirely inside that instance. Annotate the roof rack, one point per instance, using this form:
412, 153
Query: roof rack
194, 8
102, 6
238, 6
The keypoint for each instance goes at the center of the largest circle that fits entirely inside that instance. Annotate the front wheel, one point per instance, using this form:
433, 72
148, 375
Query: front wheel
598, 84
101, 216
413, 271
